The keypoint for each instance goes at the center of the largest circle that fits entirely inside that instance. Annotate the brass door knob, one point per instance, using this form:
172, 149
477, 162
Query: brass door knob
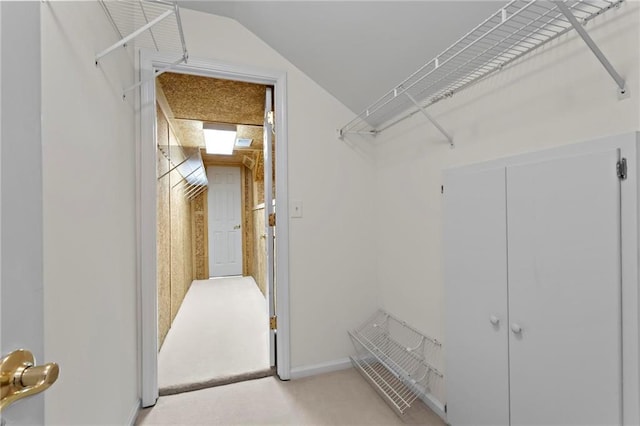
20, 377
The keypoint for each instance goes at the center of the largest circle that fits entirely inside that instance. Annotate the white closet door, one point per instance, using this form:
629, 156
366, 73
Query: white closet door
476, 298
565, 291
225, 221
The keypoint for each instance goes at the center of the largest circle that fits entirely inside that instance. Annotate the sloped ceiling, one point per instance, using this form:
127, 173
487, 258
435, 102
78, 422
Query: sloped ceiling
356, 50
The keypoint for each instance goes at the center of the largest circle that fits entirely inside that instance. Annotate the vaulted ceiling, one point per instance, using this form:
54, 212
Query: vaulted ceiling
356, 50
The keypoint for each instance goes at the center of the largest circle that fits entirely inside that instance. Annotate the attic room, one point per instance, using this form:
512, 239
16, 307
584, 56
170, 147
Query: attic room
456, 206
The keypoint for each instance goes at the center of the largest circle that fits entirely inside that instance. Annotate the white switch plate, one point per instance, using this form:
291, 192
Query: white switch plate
295, 208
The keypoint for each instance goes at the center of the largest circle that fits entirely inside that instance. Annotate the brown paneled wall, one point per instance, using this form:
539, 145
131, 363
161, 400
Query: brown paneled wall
174, 236
259, 270
199, 214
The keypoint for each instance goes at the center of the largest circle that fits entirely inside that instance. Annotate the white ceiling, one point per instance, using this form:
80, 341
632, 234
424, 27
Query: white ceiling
356, 50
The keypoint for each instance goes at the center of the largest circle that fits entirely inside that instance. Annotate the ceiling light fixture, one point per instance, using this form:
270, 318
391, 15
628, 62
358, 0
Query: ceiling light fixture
219, 138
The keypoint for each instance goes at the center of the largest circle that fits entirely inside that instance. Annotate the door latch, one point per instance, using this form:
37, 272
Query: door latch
20, 377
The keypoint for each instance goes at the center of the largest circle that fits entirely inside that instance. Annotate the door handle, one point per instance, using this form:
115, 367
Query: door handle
236, 227
494, 320
516, 328
20, 377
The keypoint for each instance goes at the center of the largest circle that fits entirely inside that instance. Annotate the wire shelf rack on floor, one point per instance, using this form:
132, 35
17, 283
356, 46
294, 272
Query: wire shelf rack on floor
153, 24
513, 31
397, 360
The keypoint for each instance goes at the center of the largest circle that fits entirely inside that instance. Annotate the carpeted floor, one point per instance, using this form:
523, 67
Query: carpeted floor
220, 335
338, 398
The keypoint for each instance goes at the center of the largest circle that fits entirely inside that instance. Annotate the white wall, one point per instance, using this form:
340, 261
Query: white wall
558, 95
332, 280
89, 218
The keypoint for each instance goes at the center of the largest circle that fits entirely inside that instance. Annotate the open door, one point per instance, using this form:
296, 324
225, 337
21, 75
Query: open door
21, 260
269, 220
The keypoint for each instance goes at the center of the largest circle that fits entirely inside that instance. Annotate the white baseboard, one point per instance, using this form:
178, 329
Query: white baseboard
324, 367
435, 405
133, 414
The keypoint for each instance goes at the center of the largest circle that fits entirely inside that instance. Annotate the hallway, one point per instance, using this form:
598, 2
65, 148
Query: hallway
220, 335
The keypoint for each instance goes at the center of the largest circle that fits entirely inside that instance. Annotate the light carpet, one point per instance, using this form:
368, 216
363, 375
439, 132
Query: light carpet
338, 398
220, 335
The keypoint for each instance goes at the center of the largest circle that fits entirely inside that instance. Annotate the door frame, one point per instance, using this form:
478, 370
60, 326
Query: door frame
146, 206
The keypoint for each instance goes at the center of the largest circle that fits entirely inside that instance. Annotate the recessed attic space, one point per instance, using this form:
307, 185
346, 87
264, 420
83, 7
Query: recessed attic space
186, 103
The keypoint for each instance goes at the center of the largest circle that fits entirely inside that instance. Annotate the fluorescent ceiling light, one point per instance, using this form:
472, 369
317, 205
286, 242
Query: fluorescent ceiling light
219, 138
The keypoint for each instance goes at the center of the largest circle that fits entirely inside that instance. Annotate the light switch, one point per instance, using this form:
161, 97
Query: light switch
295, 208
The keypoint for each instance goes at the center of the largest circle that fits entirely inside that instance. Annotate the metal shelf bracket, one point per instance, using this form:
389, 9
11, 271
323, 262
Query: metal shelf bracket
156, 74
342, 133
127, 39
431, 119
622, 87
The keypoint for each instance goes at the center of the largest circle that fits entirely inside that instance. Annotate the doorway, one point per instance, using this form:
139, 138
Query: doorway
211, 143
149, 62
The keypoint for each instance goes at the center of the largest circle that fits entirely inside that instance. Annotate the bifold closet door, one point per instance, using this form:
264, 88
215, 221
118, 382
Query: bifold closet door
476, 298
565, 291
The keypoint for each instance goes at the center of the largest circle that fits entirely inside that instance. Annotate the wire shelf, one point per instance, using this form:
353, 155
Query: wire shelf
513, 31
188, 162
154, 24
397, 360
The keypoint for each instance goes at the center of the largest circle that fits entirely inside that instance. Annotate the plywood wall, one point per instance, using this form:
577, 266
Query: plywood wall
175, 246
200, 237
247, 222
163, 253
259, 270
163, 235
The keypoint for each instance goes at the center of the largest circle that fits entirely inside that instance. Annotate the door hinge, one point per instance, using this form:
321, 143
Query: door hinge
621, 168
272, 219
273, 323
270, 118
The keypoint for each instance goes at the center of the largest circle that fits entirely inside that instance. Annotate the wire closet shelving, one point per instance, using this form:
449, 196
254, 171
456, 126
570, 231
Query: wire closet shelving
153, 24
397, 360
188, 162
513, 31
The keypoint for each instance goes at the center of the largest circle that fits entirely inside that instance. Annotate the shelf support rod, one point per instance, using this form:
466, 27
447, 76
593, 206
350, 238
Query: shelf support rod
133, 35
174, 167
156, 74
431, 119
593, 46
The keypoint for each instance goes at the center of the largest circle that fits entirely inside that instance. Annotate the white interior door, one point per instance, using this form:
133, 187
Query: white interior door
225, 221
268, 210
21, 261
476, 298
565, 291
